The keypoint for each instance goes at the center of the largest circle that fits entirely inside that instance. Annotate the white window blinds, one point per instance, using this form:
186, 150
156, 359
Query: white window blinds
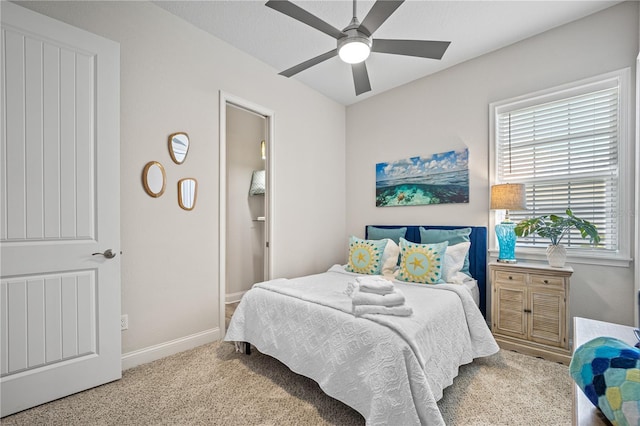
566, 153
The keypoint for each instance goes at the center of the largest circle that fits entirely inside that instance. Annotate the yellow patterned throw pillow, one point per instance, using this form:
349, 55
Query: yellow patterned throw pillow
421, 263
365, 256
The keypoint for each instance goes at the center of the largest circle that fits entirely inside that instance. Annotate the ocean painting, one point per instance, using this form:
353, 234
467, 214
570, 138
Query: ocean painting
439, 179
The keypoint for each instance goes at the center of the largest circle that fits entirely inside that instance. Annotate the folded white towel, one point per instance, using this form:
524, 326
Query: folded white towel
395, 298
401, 311
352, 287
375, 284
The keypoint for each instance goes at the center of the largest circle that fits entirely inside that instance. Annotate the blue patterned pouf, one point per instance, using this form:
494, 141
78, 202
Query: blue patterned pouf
608, 372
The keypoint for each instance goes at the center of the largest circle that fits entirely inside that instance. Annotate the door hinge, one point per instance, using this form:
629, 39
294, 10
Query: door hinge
266, 244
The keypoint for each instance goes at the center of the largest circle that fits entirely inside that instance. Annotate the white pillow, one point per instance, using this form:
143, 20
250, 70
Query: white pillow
390, 258
453, 263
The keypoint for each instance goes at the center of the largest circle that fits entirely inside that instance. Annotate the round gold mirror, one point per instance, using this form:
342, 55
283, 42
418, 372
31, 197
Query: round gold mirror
154, 178
178, 147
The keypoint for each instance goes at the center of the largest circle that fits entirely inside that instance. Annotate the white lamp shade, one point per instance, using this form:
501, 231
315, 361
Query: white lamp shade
508, 196
354, 52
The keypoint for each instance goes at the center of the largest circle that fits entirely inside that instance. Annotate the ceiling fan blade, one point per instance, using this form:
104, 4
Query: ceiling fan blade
421, 48
360, 78
299, 14
379, 13
308, 64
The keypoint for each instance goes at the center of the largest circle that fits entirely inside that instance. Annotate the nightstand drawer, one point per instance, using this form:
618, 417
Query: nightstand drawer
511, 277
546, 280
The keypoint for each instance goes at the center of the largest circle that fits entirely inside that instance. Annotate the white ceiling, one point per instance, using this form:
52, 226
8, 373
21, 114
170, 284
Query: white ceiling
473, 27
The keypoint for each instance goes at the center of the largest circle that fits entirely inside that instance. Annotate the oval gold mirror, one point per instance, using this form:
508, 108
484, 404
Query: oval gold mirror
154, 178
178, 147
187, 193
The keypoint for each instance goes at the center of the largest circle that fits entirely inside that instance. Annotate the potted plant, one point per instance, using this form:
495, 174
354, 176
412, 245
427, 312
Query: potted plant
554, 228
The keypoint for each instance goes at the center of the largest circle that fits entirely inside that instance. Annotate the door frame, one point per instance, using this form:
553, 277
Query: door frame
225, 100
636, 254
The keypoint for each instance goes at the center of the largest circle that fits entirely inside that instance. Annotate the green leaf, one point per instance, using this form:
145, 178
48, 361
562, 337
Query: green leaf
554, 227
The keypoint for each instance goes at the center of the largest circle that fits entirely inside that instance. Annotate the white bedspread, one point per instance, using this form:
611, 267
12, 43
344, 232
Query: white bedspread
390, 369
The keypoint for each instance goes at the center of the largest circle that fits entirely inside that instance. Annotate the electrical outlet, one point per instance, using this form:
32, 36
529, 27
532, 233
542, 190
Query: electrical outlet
124, 322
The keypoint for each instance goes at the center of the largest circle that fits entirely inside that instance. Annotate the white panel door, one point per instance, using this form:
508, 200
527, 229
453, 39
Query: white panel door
59, 210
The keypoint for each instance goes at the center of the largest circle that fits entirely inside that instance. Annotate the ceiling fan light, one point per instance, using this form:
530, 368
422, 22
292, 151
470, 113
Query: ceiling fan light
354, 52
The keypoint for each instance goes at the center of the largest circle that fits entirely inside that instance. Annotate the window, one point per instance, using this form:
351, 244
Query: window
569, 147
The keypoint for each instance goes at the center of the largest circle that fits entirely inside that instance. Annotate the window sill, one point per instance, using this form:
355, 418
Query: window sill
604, 259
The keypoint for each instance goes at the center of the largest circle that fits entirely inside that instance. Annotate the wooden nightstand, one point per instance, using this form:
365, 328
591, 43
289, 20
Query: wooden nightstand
530, 309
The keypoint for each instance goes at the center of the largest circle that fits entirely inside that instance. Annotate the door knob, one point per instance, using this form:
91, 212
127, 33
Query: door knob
109, 254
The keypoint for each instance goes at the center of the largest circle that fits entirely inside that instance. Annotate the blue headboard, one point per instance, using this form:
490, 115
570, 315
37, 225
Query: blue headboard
477, 253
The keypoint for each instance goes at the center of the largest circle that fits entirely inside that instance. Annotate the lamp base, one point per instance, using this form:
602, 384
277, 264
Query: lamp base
506, 242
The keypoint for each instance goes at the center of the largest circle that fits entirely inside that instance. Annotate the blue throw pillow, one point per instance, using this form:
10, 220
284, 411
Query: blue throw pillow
454, 236
394, 234
421, 263
608, 372
365, 256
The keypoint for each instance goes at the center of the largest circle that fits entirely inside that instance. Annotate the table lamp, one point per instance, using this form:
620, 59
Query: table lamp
508, 196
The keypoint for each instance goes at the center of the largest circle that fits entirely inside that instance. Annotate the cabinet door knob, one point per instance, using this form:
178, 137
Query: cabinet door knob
510, 277
528, 311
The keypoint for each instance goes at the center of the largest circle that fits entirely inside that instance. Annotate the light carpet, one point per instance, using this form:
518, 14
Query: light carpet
214, 385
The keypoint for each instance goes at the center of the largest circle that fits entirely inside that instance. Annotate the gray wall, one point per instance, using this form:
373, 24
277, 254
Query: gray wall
449, 110
171, 75
170, 81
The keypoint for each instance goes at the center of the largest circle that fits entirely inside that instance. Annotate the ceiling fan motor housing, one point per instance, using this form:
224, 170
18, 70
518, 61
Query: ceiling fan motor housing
354, 37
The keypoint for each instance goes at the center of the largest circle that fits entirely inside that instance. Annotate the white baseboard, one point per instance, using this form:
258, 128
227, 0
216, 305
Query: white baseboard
234, 297
152, 353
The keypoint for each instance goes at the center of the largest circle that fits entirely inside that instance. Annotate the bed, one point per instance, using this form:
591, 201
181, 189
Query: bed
391, 369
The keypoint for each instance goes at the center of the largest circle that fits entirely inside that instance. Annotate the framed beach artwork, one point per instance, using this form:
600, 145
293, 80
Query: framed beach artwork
438, 179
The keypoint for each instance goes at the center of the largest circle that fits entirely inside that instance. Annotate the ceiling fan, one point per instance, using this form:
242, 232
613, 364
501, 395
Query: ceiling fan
355, 42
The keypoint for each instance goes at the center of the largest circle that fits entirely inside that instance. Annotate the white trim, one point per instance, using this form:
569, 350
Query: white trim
623, 76
155, 352
539, 255
598, 82
226, 98
234, 297
636, 255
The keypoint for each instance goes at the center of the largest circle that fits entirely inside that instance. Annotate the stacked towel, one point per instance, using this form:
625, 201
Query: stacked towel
376, 295
401, 311
352, 287
375, 284
395, 298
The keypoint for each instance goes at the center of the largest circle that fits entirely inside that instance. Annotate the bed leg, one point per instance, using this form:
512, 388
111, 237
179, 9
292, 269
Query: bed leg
247, 348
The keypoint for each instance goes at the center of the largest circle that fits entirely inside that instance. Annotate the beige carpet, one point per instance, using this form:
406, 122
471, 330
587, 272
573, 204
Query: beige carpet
213, 385
229, 309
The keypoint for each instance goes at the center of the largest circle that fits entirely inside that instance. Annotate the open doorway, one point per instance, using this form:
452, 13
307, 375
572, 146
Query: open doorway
246, 191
